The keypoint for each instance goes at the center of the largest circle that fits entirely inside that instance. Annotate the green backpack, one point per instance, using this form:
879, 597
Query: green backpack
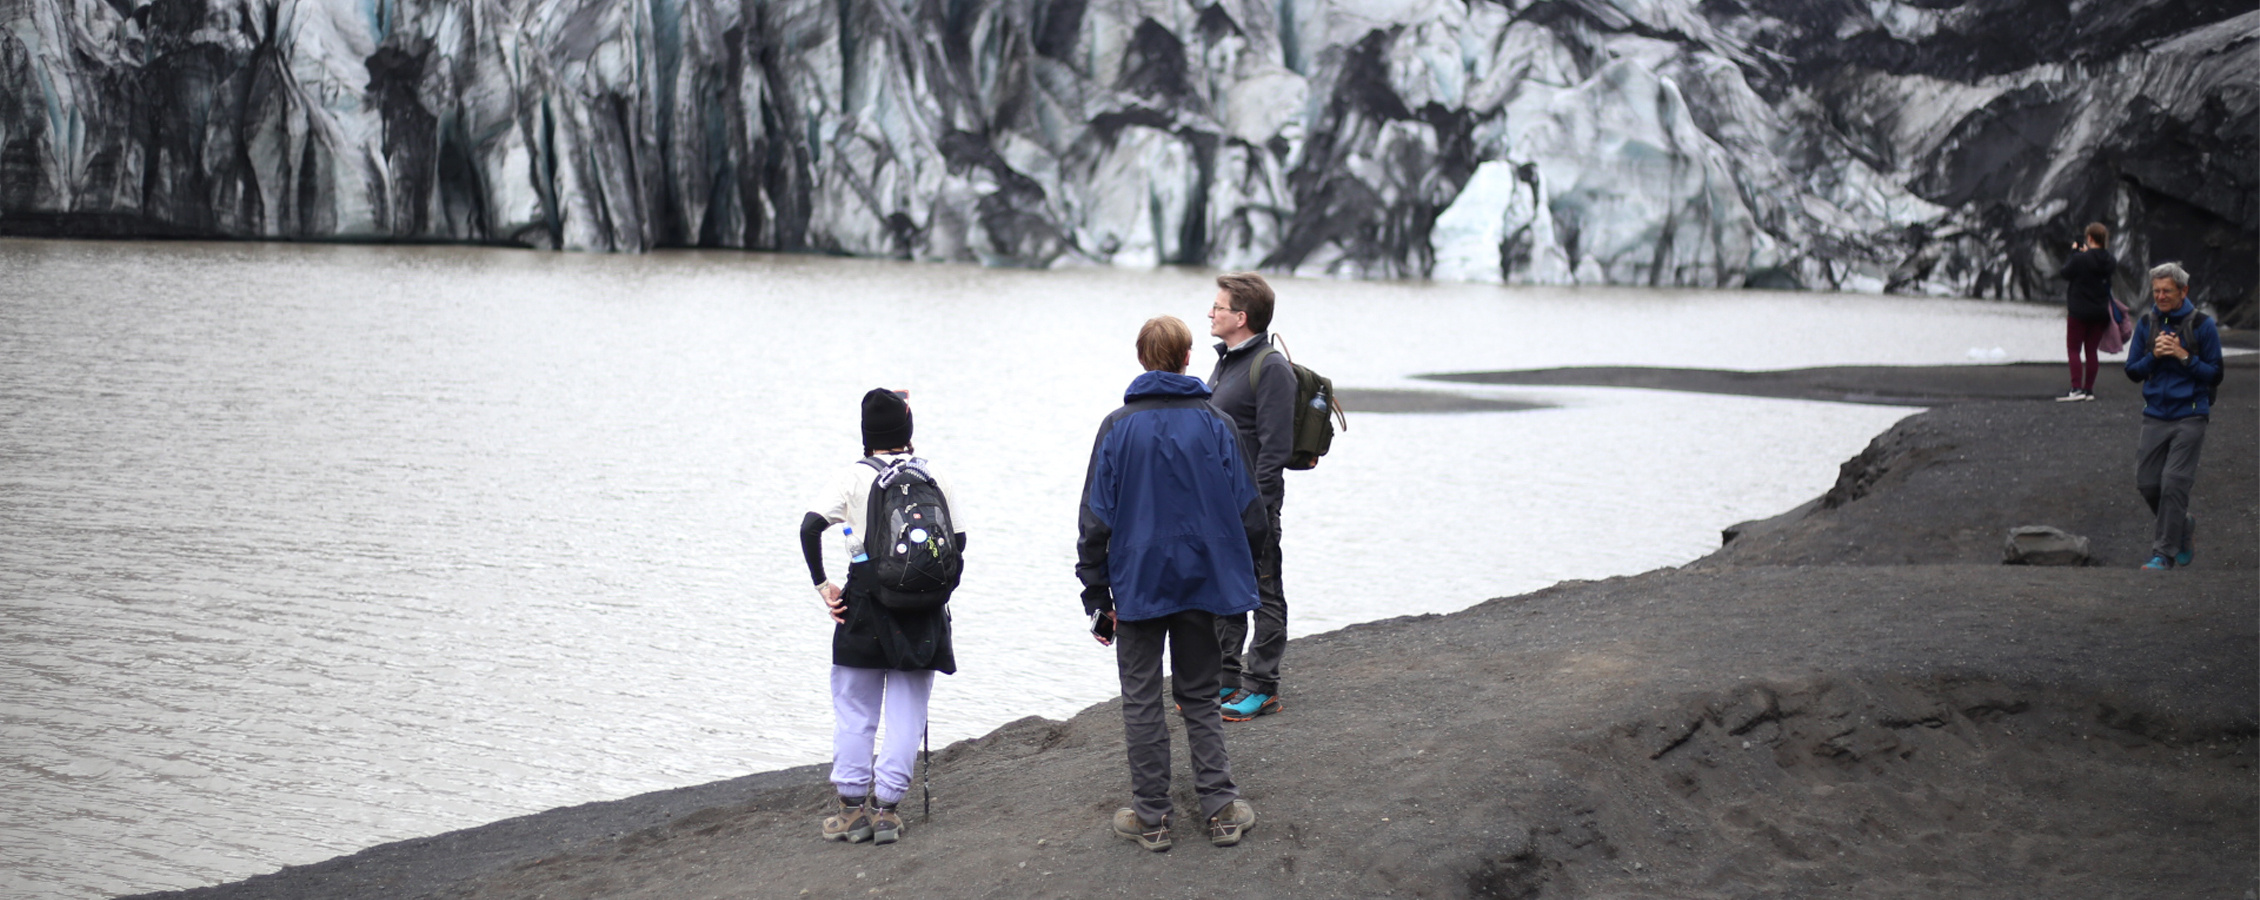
1316, 410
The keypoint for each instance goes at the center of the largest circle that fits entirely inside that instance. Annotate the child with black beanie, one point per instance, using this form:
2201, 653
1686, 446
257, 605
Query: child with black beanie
883, 659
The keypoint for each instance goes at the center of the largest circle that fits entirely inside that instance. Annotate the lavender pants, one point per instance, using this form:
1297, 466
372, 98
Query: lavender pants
861, 700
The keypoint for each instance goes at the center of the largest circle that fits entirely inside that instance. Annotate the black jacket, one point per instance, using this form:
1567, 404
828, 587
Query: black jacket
2087, 296
875, 637
1266, 423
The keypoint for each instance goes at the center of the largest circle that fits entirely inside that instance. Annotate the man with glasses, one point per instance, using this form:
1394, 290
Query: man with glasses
1263, 409
2176, 354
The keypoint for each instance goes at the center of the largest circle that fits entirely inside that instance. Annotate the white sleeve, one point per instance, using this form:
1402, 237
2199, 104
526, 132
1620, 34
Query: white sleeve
838, 496
957, 511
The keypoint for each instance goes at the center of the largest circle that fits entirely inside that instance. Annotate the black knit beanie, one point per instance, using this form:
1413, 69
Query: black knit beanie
886, 420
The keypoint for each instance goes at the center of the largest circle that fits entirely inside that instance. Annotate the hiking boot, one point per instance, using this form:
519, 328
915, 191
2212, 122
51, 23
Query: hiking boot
850, 821
1152, 837
2189, 543
2158, 562
1229, 823
886, 825
1250, 706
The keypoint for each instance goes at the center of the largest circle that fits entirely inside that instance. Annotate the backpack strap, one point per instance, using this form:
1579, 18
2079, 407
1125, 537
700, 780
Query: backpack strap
1271, 345
887, 471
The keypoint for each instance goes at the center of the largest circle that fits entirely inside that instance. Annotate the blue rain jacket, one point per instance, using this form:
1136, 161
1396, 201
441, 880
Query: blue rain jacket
2171, 388
1170, 515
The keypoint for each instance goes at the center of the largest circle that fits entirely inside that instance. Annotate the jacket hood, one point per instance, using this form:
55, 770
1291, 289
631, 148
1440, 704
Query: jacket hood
1164, 384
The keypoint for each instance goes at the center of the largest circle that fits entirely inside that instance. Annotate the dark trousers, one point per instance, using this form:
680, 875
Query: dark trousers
1258, 669
2082, 335
1191, 636
2165, 467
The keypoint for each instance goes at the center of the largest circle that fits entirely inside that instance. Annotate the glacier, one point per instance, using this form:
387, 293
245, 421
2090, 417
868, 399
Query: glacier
1938, 147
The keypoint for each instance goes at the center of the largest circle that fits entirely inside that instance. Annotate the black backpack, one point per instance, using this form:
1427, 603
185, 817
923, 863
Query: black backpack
1316, 410
910, 537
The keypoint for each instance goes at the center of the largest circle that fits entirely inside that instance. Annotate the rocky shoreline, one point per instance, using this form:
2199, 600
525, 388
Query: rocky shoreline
1854, 697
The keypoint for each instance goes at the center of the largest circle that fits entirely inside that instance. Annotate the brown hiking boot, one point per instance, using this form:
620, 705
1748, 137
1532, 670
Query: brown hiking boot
848, 823
1229, 823
1152, 837
886, 825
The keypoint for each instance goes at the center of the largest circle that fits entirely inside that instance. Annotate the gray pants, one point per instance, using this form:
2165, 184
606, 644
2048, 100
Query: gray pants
1258, 670
1191, 636
2165, 466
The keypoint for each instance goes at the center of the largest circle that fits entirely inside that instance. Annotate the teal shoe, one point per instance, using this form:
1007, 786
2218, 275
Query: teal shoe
2189, 543
2159, 563
1251, 706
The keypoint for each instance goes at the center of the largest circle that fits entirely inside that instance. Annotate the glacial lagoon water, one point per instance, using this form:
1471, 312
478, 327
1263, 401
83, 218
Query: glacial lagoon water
309, 548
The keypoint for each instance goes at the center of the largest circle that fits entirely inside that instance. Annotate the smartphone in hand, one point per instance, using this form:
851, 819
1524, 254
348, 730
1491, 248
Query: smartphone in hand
1102, 627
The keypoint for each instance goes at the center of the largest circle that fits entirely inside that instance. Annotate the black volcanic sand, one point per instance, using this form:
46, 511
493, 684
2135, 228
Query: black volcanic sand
1851, 699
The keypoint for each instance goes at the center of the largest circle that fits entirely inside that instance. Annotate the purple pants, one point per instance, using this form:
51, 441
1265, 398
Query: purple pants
861, 699
2083, 335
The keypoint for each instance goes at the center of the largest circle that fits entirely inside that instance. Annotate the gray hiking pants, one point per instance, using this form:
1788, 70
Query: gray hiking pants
2165, 466
1258, 669
1191, 636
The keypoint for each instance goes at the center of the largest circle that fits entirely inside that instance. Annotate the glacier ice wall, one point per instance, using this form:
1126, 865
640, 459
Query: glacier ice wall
1919, 146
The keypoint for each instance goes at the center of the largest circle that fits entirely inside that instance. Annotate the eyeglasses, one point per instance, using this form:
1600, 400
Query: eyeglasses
1222, 309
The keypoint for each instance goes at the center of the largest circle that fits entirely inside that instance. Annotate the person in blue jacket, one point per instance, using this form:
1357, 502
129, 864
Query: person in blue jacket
1167, 536
2176, 354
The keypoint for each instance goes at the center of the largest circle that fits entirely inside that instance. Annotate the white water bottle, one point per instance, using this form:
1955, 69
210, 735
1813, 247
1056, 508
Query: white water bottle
860, 556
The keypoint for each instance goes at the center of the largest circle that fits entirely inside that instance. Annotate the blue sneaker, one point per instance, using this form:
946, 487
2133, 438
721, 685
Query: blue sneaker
2189, 543
1251, 706
2158, 562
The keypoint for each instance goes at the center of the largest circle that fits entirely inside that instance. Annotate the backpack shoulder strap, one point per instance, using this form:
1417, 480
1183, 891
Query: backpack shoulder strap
1271, 345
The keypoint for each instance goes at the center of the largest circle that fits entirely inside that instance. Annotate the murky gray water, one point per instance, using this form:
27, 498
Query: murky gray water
307, 548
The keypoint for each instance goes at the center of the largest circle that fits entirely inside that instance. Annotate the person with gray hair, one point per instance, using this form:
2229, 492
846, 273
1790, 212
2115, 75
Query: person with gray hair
2176, 354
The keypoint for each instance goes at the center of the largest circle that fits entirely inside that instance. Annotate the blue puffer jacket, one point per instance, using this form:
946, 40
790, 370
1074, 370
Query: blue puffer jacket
2171, 388
1170, 514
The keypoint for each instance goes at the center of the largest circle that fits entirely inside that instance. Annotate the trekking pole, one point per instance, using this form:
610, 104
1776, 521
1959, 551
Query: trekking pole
926, 772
